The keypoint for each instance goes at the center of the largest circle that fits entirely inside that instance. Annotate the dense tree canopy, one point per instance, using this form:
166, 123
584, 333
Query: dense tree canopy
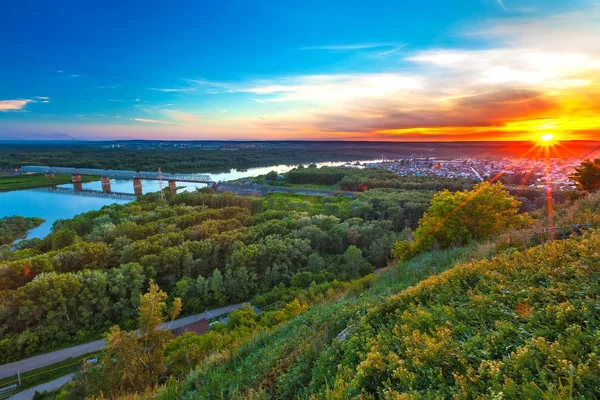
208, 249
587, 175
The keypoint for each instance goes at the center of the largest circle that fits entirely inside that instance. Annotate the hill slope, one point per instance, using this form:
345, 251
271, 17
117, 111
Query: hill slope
522, 325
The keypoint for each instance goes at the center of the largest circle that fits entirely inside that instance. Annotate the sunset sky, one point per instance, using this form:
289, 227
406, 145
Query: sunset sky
343, 70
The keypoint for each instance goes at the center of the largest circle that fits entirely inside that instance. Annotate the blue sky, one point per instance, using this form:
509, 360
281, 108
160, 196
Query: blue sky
394, 70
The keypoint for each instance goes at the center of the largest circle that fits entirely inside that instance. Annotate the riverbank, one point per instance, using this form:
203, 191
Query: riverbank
16, 227
22, 182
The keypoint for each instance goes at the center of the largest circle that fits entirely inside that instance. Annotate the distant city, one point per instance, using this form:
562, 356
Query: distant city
525, 172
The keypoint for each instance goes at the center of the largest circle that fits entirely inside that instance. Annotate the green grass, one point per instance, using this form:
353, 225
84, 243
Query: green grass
34, 181
41, 375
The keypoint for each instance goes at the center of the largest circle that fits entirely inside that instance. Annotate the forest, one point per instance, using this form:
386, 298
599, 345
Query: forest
207, 249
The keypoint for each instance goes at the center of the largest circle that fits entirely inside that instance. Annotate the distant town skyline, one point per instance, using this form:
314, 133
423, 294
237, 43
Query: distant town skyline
312, 70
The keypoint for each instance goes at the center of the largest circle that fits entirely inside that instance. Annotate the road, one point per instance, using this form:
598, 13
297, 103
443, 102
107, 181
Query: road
55, 384
54, 357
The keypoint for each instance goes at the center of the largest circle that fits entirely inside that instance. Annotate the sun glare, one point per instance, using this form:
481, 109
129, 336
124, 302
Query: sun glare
548, 137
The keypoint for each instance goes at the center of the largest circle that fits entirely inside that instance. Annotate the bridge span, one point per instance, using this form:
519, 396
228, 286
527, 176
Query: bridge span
107, 174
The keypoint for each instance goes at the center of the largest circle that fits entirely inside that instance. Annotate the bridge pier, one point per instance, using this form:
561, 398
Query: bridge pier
76, 178
137, 186
173, 187
105, 184
50, 176
78, 186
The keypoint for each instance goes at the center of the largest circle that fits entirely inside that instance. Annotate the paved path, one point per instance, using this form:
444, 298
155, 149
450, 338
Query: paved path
54, 357
55, 384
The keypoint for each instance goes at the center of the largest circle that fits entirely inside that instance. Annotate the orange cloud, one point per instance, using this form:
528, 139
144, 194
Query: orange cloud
13, 105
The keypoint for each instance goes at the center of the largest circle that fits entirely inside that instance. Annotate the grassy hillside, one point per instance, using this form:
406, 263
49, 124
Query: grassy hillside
521, 325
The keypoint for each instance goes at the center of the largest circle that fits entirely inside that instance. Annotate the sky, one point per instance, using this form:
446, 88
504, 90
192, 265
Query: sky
394, 70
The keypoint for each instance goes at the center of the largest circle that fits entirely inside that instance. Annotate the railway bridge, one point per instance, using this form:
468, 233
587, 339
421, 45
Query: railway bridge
107, 174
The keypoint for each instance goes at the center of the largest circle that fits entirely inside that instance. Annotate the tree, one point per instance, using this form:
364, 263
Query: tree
315, 263
353, 259
360, 208
134, 361
63, 238
457, 218
272, 176
587, 176
216, 288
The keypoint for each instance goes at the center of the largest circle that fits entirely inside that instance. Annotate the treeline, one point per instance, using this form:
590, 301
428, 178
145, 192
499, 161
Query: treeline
16, 227
172, 159
361, 179
208, 249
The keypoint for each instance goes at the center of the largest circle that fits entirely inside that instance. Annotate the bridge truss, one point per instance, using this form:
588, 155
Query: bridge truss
118, 174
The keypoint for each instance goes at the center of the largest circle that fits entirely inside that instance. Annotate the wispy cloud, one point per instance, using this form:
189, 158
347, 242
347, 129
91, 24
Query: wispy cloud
385, 53
172, 90
153, 121
343, 47
108, 86
221, 111
136, 100
322, 88
501, 3
14, 105
182, 116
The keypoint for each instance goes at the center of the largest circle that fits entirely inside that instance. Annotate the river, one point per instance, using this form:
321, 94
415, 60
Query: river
53, 206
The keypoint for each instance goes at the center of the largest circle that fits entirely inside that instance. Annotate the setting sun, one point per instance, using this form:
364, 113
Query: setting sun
548, 137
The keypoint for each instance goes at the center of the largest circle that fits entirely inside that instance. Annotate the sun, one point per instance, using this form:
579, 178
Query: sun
547, 137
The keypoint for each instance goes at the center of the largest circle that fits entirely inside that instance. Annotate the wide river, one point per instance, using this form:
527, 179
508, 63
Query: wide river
53, 206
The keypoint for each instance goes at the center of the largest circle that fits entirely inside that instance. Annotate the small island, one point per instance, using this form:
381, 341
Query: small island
16, 227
